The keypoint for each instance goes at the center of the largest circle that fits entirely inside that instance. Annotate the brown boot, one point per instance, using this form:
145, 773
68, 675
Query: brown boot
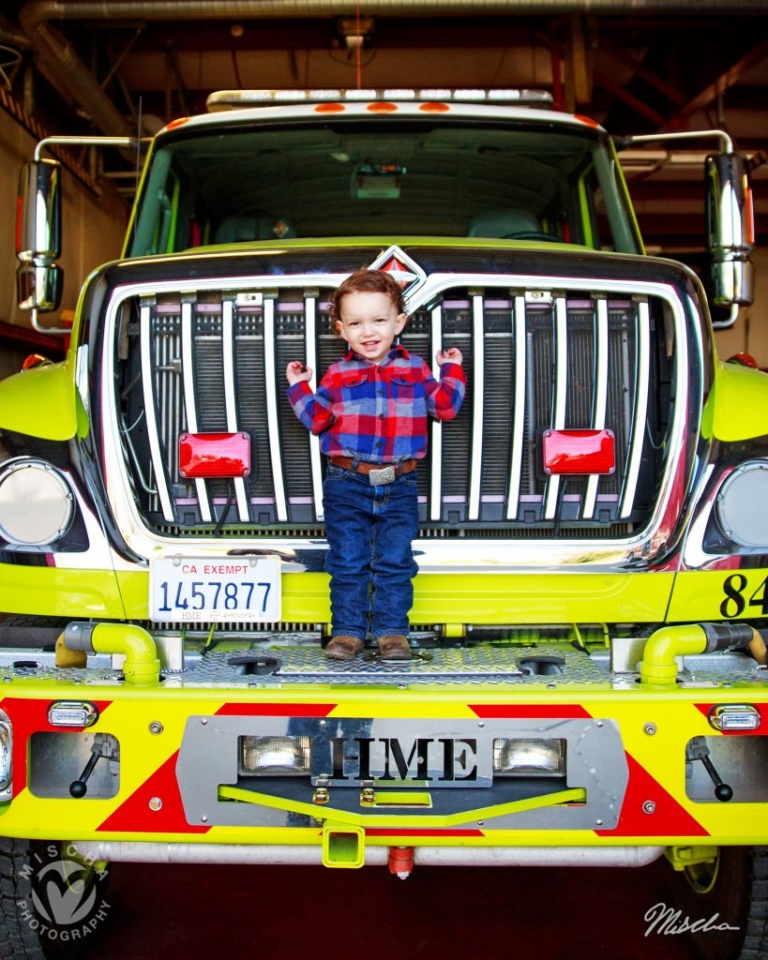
394, 647
343, 648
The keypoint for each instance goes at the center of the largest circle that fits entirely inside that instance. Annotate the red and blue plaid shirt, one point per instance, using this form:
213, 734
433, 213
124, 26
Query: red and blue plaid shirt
378, 412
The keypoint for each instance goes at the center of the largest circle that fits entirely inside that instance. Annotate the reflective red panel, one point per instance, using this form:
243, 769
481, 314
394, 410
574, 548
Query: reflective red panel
208, 455
579, 451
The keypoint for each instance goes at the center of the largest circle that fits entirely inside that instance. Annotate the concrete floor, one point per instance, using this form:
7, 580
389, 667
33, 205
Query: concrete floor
312, 913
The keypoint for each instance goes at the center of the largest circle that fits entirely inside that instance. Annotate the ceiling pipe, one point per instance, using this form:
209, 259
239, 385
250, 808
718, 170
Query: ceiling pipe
13, 36
38, 11
58, 55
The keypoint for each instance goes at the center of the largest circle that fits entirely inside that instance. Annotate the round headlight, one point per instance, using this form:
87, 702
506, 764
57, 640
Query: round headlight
36, 505
742, 505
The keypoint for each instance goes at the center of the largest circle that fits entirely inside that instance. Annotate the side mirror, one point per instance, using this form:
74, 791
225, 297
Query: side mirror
39, 287
730, 230
38, 236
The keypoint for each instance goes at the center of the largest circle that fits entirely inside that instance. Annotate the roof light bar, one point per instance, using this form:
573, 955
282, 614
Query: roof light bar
231, 99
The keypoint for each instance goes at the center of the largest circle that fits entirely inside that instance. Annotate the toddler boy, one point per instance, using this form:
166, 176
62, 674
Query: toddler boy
371, 411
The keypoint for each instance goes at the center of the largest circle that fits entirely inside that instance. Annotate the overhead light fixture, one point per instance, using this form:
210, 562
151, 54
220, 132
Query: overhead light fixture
356, 33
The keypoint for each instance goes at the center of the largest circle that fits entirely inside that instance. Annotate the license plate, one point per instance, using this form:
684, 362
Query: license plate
203, 589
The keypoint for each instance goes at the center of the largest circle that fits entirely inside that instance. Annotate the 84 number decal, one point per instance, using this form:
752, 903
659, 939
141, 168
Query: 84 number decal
737, 599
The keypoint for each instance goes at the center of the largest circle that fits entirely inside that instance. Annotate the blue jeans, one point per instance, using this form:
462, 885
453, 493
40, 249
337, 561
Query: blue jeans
370, 530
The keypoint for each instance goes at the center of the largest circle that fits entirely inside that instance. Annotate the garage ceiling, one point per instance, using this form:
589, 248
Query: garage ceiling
635, 67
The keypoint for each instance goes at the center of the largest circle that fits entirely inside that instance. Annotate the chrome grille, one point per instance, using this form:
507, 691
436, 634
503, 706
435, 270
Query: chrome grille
211, 361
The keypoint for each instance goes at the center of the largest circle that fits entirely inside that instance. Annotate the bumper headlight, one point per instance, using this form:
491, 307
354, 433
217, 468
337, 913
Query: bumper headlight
529, 757
274, 756
6, 752
36, 505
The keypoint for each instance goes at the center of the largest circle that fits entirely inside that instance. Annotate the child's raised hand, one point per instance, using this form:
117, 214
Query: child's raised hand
296, 372
451, 355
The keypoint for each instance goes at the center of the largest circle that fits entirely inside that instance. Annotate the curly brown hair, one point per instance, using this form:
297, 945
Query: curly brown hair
367, 281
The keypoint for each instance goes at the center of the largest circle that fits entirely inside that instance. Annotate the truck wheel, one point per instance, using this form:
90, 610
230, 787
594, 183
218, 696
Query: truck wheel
51, 905
726, 904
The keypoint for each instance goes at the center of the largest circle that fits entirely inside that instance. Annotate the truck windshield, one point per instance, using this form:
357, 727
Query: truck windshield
382, 178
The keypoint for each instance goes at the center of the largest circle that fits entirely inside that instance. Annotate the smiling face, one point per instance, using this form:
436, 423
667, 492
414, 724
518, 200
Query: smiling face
369, 323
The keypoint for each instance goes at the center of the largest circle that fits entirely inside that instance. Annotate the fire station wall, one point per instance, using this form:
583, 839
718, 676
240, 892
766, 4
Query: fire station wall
92, 232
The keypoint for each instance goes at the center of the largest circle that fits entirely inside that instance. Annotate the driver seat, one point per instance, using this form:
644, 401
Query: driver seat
502, 222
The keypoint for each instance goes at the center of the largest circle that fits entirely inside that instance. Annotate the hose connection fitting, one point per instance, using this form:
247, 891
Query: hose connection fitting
659, 666
141, 665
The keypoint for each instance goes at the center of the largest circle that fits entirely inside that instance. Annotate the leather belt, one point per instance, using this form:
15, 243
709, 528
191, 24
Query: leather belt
377, 473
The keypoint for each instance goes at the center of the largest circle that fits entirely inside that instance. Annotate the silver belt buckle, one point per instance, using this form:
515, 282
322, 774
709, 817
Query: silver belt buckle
383, 475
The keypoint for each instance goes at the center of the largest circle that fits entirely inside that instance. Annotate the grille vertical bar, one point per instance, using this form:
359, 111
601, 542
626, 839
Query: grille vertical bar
600, 402
518, 410
560, 393
639, 405
150, 408
478, 391
273, 423
436, 440
190, 406
316, 466
230, 394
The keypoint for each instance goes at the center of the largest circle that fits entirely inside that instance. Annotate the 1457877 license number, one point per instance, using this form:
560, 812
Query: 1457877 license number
203, 589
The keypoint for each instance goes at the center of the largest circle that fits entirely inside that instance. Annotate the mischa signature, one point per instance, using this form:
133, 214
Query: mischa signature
665, 920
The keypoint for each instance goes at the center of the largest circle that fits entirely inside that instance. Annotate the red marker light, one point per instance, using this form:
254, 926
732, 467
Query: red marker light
211, 455
744, 360
34, 360
579, 451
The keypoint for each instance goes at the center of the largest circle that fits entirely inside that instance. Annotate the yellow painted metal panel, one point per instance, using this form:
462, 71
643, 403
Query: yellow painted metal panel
150, 723
479, 598
737, 406
42, 402
540, 597
53, 591
703, 595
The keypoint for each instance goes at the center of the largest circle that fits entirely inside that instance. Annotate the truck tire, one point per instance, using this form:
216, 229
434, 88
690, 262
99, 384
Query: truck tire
51, 905
730, 898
